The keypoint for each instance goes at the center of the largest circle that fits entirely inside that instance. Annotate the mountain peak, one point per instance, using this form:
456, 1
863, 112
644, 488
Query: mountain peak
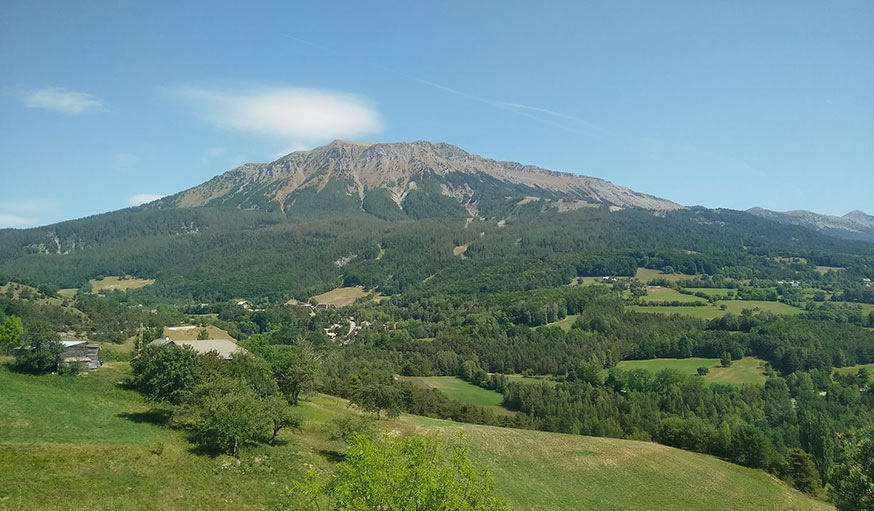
854, 225
436, 169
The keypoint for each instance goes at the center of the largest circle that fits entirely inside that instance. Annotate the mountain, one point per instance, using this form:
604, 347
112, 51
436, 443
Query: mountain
390, 180
853, 225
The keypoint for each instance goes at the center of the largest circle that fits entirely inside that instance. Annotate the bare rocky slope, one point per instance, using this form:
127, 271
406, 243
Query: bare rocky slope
397, 170
853, 225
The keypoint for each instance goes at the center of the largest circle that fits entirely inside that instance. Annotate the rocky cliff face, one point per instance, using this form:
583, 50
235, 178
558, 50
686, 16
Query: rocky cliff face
398, 170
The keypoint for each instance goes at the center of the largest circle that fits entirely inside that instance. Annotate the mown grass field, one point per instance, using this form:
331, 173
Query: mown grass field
341, 296
746, 370
712, 291
711, 312
86, 444
646, 274
118, 284
190, 334
460, 390
666, 294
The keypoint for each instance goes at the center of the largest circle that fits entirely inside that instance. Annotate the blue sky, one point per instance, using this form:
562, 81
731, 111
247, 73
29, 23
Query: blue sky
723, 104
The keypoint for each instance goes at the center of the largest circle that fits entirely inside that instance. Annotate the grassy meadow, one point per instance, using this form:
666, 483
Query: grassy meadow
119, 284
746, 370
645, 275
711, 312
460, 390
666, 294
86, 443
341, 296
854, 369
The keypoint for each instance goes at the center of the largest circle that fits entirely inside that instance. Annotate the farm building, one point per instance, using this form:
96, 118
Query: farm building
325, 306
224, 347
82, 352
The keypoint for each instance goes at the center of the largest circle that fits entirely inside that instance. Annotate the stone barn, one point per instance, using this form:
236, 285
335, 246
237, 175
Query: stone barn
84, 352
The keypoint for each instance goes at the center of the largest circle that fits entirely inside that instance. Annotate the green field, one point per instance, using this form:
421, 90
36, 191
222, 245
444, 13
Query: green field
711, 312
565, 323
645, 275
854, 369
341, 296
747, 370
459, 390
96, 445
86, 444
666, 294
119, 284
712, 291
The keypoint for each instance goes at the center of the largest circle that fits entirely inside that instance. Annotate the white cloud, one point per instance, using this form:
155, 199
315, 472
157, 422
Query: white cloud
211, 154
293, 148
285, 113
29, 205
7, 220
143, 198
62, 100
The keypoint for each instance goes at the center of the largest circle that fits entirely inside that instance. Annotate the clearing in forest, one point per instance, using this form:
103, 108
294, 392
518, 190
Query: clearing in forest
119, 283
746, 370
342, 296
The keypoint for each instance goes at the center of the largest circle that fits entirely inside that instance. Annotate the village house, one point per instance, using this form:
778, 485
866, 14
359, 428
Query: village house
225, 348
81, 352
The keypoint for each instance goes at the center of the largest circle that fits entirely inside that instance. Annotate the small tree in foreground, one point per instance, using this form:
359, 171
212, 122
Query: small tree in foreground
375, 397
281, 416
408, 473
165, 373
703, 371
227, 415
41, 351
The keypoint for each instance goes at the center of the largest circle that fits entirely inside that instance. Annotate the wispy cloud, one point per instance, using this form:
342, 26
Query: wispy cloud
25, 212
284, 112
62, 100
143, 198
7, 220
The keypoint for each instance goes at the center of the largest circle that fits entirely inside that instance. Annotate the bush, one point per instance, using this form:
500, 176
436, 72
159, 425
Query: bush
703, 371
346, 427
73, 368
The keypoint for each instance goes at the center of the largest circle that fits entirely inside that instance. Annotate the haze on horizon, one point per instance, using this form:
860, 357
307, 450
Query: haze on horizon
103, 105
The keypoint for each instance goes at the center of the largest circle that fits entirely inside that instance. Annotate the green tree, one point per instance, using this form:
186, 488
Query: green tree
375, 397
11, 333
41, 351
703, 371
164, 374
255, 371
852, 479
202, 335
281, 416
227, 415
801, 472
294, 369
726, 360
408, 473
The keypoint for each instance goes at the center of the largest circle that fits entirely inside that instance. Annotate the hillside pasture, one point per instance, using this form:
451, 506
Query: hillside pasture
825, 269
667, 294
342, 296
104, 448
460, 390
190, 332
565, 323
645, 275
115, 283
746, 370
712, 312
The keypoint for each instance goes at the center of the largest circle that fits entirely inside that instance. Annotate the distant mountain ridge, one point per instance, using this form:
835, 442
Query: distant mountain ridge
342, 174
854, 225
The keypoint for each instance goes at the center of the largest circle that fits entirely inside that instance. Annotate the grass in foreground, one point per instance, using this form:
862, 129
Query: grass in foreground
135, 464
746, 370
